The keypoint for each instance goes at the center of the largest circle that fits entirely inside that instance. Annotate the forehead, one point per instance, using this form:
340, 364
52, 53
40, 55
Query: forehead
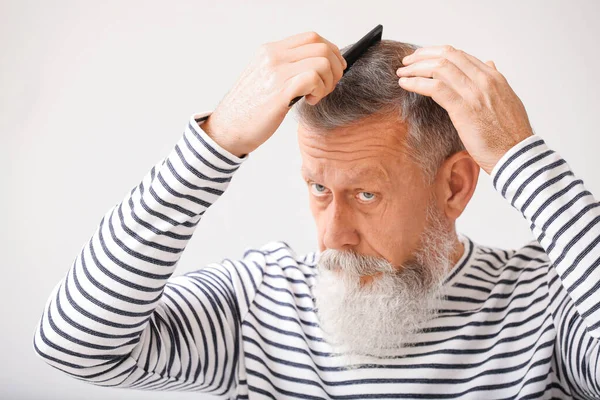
368, 132
326, 171
372, 149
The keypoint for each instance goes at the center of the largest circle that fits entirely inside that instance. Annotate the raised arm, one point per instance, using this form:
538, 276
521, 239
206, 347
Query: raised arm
493, 125
118, 318
112, 321
564, 218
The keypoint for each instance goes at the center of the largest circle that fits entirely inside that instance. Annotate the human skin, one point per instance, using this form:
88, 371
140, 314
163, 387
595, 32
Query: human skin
487, 114
367, 194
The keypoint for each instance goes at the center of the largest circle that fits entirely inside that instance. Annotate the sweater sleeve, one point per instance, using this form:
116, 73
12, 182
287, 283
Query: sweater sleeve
118, 318
564, 218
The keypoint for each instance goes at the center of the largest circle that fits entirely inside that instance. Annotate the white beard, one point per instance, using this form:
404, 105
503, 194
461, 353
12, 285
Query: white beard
374, 320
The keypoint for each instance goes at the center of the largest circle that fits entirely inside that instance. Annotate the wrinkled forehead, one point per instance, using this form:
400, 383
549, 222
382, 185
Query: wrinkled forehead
374, 130
325, 171
373, 150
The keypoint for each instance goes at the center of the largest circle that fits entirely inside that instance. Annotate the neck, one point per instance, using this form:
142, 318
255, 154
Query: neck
459, 249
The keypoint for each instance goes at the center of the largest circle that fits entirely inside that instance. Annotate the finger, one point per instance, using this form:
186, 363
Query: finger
337, 52
489, 71
317, 94
299, 40
476, 61
317, 50
319, 65
434, 88
310, 85
462, 60
491, 64
307, 38
438, 68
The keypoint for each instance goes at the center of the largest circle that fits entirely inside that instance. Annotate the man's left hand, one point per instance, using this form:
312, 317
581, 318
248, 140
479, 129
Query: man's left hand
486, 112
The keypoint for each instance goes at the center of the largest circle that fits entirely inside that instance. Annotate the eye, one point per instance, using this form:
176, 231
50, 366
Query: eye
366, 196
318, 189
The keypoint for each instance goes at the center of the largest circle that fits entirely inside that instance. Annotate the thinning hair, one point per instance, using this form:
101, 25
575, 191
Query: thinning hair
371, 88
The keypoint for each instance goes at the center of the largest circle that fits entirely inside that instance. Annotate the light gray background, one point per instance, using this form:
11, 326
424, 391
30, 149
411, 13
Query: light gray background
92, 95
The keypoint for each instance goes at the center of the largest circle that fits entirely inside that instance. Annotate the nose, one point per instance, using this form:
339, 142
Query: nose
340, 232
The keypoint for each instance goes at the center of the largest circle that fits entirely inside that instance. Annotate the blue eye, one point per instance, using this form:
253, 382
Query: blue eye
318, 189
366, 196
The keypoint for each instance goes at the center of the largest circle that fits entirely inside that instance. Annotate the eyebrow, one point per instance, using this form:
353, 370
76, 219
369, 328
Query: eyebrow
361, 174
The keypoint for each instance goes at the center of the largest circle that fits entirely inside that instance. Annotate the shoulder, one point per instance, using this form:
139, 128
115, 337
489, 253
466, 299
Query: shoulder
520, 263
532, 253
533, 263
278, 256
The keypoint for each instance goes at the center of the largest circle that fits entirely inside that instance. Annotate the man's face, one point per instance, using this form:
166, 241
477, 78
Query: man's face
385, 243
366, 195
386, 236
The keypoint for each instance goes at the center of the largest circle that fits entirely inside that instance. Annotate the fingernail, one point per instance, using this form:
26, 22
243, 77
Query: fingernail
403, 80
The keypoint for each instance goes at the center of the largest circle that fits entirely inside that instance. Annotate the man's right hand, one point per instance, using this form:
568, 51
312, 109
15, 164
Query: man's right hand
302, 65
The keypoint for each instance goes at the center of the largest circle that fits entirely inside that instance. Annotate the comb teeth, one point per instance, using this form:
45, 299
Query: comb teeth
360, 47
354, 52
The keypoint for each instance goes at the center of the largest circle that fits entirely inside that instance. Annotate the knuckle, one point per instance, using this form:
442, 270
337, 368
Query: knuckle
313, 36
263, 49
438, 85
322, 49
447, 49
266, 47
476, 99
324, 63
267, 54
271, 59
315, 78
273, 81
442, 63
499, 77
479, 105
489, 81
338, 76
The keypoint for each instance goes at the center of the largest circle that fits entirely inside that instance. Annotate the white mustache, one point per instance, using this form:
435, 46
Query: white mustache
354, 264
379, 319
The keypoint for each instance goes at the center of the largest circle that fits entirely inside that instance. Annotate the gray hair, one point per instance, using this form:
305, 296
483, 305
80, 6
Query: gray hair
371, 87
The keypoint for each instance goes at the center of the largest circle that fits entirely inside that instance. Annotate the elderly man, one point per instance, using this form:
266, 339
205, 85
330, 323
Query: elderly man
395, 303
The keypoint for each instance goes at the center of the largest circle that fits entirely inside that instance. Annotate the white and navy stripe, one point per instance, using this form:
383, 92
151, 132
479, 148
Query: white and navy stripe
516, 323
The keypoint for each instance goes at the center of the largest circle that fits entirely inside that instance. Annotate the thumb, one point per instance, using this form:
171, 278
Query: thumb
491, 64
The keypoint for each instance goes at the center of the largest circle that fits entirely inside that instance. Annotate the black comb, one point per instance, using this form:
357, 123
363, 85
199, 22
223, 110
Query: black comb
357, 50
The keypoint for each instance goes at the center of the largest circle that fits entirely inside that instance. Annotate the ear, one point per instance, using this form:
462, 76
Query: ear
456, 182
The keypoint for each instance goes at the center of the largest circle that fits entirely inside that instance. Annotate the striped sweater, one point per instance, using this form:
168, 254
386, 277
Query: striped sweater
521, 323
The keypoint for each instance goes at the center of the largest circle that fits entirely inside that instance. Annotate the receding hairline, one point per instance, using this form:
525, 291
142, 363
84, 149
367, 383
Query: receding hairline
384, 117
370, 89
379, 171
393, 127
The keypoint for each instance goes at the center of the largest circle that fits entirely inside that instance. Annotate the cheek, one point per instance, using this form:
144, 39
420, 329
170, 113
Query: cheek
318, 217
315, 209
321, 224
395, 231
